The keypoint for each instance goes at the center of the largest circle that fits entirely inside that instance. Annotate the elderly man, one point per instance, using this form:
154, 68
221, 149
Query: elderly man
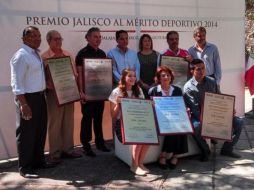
123, 57
60, 119
28, 85
208, 53
92, 111
194, 90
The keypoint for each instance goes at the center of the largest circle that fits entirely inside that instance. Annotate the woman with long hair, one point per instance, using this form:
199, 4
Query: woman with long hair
149, 61
173, 144
128, 88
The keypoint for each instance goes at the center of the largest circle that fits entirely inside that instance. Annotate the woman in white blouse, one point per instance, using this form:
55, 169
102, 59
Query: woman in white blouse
128, 88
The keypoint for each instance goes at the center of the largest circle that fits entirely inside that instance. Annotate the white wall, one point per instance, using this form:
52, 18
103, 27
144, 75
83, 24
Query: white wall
226, 30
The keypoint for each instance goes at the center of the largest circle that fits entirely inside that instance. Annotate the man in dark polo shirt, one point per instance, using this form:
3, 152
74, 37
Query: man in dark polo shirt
92, 111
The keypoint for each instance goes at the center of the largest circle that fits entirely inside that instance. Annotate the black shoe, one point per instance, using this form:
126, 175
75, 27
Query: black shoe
230, 154
214, 141
203, 158
162, 166
30, 174
72, 155
89, 153
170, 164
103, 148
45, 165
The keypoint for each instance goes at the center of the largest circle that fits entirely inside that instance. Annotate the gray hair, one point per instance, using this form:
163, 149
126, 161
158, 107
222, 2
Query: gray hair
49, 35
199, 29
91, 30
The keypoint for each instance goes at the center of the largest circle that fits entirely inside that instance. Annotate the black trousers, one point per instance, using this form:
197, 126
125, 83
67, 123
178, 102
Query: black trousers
92, 112
31, 134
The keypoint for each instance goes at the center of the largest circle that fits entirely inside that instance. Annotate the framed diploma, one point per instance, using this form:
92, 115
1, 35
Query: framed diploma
64, 81
179, 67
217, 116
171, 114
138, 122
97, 79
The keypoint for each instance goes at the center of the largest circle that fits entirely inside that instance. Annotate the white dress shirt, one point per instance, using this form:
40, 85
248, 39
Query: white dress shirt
27, 71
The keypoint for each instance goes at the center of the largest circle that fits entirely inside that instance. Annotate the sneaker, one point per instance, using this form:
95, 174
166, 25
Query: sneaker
230, 154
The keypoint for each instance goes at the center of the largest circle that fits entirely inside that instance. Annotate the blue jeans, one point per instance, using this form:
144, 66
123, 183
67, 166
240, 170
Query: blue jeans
238, 124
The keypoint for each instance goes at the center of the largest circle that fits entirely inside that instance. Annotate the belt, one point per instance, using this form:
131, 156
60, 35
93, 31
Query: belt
37, 93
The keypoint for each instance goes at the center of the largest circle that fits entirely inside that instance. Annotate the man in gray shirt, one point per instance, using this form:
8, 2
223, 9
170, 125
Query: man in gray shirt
194, 91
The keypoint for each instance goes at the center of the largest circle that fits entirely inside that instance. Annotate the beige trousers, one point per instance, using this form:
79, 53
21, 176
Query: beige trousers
60, 126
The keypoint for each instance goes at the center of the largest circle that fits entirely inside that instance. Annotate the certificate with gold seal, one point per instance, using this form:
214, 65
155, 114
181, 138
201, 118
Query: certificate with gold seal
97, 79
217, 116
138, 122
179, 67
64, 81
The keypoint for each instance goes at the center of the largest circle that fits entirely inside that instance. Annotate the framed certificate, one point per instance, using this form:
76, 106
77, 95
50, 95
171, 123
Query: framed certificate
97, 79
217, 116
179, 67
171, 114
64, 81
138, 122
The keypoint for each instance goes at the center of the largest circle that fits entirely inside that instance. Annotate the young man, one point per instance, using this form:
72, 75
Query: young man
92, 111
60, 119
123, 57
194, 90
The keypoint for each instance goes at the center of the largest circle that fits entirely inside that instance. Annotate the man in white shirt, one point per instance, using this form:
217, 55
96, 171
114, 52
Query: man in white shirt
28, 85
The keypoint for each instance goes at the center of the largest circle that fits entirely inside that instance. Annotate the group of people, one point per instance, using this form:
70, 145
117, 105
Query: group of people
135, 75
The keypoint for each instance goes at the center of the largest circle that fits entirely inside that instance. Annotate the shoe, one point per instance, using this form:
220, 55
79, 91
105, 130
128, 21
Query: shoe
72, 155
161, 165
30, 174
55, 160
145, 169
138, 171
203, 158
230, 154
89, 153
45, 165
214, 141
171, 164
103, 148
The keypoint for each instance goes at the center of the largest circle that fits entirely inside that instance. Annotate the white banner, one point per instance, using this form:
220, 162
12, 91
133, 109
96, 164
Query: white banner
224, 20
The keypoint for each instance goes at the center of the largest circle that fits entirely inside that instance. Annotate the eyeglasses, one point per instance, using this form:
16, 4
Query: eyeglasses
57, 39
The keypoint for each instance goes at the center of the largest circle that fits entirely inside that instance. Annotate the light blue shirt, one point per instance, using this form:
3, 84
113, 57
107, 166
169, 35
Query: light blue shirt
27, 71
122, 61
210, 56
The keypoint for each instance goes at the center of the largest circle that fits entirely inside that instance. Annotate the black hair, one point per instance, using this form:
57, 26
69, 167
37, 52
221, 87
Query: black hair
120, 32
195, 62
28, 30
91, 30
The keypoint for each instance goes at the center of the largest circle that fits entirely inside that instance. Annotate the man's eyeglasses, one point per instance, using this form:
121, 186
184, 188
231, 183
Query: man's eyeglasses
57, 39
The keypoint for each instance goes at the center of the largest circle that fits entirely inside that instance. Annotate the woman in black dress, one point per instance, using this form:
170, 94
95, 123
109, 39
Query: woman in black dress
173, 144
148, 59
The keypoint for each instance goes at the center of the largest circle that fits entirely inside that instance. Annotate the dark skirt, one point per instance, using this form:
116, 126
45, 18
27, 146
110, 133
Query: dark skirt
176, 144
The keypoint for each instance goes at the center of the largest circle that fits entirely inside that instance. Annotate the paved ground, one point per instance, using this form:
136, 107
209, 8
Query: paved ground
107, 172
